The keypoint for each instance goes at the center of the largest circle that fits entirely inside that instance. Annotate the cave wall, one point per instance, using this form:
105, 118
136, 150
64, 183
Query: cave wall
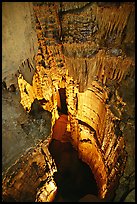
94, 52
20, 131
26, 177
19, 39
96, 41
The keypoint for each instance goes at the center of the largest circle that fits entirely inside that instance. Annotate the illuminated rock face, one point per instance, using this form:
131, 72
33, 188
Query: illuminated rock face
93, 134
76, 53
28, 174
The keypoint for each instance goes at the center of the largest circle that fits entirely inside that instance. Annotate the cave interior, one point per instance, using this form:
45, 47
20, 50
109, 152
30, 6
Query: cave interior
68, 101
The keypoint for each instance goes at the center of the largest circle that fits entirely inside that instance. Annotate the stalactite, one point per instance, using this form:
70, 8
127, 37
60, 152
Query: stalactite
103, 66
109, 22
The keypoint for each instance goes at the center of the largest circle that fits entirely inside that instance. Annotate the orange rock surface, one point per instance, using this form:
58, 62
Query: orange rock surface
60, 128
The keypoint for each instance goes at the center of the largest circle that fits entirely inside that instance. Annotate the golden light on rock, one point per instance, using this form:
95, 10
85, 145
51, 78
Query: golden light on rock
89, 122
47, 192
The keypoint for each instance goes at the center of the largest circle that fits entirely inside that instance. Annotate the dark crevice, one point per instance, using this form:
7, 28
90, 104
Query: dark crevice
25, 90
64, 108
86, 140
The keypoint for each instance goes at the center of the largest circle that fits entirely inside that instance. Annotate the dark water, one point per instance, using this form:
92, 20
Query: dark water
74, 177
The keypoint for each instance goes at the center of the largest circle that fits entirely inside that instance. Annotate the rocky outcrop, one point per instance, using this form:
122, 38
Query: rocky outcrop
29, 174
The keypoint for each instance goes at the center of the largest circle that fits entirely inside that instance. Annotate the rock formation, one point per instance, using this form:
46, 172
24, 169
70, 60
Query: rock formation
82, 47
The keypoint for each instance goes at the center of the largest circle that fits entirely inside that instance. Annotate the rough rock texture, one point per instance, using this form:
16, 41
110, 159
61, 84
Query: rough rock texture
19, 40
94, 39
21, 131
88, 48
27, 177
